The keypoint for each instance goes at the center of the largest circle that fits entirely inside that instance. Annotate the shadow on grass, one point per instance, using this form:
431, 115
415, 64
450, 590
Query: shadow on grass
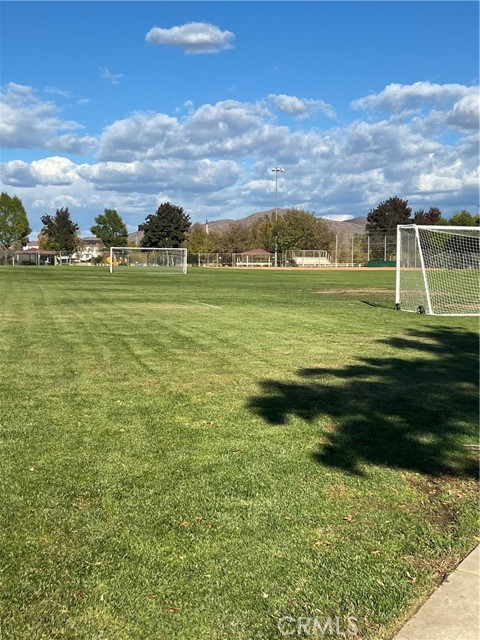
414, 411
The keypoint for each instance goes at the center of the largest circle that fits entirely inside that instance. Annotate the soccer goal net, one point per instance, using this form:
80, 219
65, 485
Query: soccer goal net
438, 270
165, 260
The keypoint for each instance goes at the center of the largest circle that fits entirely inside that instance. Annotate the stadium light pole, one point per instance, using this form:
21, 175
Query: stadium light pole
276, 170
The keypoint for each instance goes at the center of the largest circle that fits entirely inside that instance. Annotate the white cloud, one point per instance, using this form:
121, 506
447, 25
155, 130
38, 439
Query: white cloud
17, 173
193, 38
465, 114
300, 107
106, 74
198, 176
396, 97
142, 135
28, 122
217, 158
337, 217
49, 171
55, 170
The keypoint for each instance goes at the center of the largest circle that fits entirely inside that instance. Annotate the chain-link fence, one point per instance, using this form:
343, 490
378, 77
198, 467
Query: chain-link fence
359, 250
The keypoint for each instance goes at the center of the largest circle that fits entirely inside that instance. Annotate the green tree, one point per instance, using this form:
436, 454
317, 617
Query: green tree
463, 219
262, 232
110, 229
432, 216
59, 233
300, 230
200, 242
167, 227
14, 228
237, 238
388, 214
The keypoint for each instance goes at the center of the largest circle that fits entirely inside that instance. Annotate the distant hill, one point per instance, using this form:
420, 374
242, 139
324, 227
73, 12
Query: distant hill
345, 228
348, 228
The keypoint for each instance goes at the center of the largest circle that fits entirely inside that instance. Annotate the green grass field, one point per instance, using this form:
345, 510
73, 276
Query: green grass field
220, 454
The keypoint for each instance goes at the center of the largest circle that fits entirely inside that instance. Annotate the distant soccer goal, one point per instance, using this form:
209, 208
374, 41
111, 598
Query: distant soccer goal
164, 260
438, 270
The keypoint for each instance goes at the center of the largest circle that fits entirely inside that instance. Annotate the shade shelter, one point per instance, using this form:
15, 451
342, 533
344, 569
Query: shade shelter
37, 257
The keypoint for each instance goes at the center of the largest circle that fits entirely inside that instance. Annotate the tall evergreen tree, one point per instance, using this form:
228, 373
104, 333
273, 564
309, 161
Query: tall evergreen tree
432, 216
14, 228
59, 232
167, 227
388, 214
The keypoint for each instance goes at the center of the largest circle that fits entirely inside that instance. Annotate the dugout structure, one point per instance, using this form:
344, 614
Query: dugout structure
170, 260
438, 269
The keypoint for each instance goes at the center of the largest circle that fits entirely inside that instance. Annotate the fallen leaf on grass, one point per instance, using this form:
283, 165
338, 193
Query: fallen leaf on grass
348, 518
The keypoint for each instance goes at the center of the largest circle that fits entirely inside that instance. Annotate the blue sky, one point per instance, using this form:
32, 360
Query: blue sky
129, 104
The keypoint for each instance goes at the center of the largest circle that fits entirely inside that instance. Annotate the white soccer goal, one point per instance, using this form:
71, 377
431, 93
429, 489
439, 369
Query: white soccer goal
438, 270
165, 260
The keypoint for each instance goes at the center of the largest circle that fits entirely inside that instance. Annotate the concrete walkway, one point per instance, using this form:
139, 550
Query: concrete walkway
452, 611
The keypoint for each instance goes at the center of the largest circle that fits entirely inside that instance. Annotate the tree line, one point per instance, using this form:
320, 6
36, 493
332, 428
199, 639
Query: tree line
390, 213
170, 226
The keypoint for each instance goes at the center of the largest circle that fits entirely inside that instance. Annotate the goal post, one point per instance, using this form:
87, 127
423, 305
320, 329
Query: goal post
165, 260
438, 270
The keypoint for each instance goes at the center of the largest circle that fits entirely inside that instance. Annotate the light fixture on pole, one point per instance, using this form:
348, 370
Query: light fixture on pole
276, 170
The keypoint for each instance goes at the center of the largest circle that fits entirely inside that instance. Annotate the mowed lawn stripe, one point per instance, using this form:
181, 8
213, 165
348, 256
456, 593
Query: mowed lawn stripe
165, 466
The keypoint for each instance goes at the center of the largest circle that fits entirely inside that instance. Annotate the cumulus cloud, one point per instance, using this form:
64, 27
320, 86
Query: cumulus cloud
217, 158
141, 135
465, 113
199, 176
227, 128
48, 171
397, 97
29, 122
193, 38
300, 107
17, 174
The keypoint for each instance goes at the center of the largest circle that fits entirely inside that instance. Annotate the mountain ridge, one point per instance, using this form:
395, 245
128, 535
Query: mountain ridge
345, 228
348, 227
